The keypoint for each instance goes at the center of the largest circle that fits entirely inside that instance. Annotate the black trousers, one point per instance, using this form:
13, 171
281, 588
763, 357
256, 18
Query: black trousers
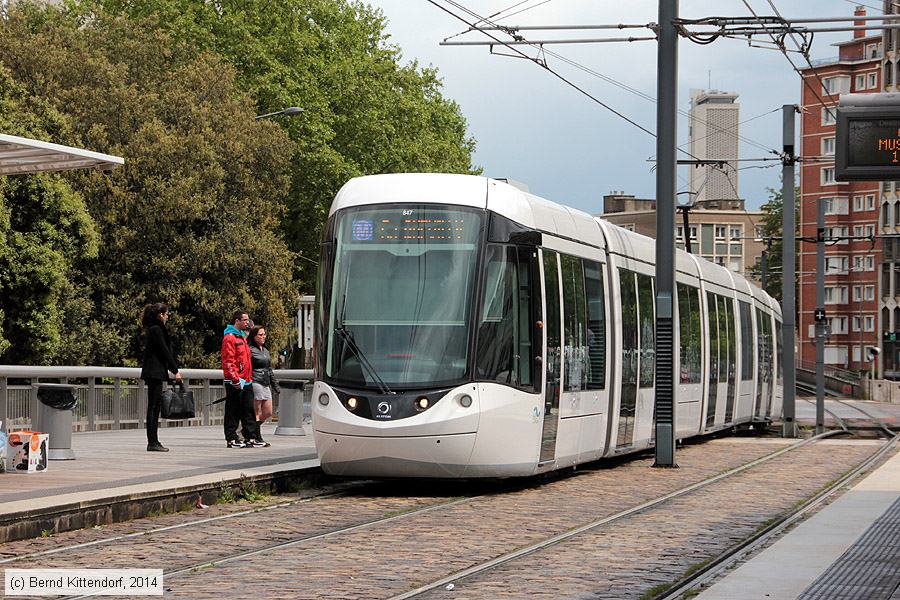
239, 410
154, 404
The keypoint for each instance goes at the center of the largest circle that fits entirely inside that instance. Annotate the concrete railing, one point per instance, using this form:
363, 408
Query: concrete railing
111, 397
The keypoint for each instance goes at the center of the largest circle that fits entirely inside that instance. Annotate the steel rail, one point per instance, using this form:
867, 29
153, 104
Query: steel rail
300, 540
751, 544
538, 546
890, 432
138, 534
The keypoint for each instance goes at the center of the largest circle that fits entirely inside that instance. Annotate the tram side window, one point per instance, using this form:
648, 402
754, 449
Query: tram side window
779, 343
504, 351
723, 337
575, 350
690, 333
596, 311
648, 330
747, 366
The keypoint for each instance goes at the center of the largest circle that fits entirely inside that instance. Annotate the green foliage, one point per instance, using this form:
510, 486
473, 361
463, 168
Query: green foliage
365, 112
44, 231
213, 209
771, 229
192, 219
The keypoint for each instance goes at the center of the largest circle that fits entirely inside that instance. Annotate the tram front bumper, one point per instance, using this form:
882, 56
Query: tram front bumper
421, 456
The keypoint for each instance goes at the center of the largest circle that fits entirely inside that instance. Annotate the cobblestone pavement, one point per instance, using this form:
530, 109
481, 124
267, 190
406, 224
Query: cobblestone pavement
621, 560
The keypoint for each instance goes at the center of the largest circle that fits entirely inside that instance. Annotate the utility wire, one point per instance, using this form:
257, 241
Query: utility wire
781, 47
577, 65
536, 61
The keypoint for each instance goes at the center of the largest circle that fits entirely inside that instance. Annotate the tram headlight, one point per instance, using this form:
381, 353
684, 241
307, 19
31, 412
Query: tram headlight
352, 403
465, 401
323, 399
422, 403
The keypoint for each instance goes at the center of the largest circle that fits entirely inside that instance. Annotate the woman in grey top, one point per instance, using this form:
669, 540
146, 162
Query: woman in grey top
263, 377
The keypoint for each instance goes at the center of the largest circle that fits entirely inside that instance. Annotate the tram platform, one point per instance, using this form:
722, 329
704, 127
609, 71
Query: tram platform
113, 477
848, 550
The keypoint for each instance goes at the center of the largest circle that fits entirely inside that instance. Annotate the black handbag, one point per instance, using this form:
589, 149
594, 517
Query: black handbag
177, 402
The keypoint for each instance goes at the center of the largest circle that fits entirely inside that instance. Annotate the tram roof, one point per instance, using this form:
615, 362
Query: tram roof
21, 156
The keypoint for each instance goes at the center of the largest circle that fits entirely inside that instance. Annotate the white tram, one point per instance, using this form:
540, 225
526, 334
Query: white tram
468, 329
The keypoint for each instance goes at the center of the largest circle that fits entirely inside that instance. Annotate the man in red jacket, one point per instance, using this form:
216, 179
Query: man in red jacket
238, 375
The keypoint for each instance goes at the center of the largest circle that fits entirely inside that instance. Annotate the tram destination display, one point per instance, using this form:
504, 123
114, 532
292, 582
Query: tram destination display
411, 226
867, 144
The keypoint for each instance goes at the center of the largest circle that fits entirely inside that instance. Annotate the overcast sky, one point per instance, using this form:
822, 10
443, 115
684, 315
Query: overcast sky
530, 126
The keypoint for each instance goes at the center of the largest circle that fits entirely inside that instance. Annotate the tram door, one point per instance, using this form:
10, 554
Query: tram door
764, 382
552, 363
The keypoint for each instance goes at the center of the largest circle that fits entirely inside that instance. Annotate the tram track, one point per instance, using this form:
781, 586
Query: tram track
754, 543
602, 522
204, 563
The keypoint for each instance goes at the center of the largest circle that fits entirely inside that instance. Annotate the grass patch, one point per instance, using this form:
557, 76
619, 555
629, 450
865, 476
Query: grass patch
655, 591
45, 533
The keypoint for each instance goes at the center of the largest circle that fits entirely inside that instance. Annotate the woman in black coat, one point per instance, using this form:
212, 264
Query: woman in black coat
158, 361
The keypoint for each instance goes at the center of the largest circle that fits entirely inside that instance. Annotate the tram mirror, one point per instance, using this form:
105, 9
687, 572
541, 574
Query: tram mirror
526, 238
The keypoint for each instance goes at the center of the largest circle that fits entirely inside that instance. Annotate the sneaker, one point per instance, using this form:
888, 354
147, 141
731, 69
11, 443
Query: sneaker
156, 448
258, 444
237, 444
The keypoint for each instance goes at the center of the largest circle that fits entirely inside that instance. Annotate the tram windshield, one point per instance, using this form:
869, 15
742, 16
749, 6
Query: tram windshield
402, 292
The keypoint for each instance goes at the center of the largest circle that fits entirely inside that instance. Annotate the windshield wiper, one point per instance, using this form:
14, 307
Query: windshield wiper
348, 339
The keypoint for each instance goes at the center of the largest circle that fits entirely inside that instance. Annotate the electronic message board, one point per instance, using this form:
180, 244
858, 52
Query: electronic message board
867, 144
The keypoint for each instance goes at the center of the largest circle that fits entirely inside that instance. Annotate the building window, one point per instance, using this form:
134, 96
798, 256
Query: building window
836, 85
860, 82
859, 203
737, 232
856, 323
870, 292
873, 51
827, 146
857, 231
836, 295
679, 232
628, 226
828, 115
885, 214
720, 260
873, 80
870, 201
885, 280
720, 232
835, 264
870, 230
835, 206
888, 73
828, 176
870, 323
857, 293
870, 263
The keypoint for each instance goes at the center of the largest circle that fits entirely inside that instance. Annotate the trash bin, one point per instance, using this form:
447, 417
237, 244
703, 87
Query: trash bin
56, 403
290, 407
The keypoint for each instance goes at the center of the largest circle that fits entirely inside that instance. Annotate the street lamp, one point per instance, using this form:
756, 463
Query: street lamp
291, 111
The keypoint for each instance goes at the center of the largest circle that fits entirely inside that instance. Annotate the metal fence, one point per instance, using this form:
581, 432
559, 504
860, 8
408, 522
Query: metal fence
114, 397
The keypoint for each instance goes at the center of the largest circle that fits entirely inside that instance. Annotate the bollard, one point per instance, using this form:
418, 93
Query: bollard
55, 417
290, 408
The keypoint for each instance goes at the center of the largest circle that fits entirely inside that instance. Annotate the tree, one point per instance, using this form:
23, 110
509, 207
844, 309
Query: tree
771, 228
193, 218
365, 113
45, 230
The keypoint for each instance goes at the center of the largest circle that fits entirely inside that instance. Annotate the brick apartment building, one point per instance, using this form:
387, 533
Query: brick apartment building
860, 279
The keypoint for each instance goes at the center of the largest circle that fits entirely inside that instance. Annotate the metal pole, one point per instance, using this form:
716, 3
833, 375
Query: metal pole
820, 321
666, 171
788, 250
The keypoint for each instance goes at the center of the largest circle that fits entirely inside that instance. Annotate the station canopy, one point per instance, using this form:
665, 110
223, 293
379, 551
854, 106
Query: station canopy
20, 156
